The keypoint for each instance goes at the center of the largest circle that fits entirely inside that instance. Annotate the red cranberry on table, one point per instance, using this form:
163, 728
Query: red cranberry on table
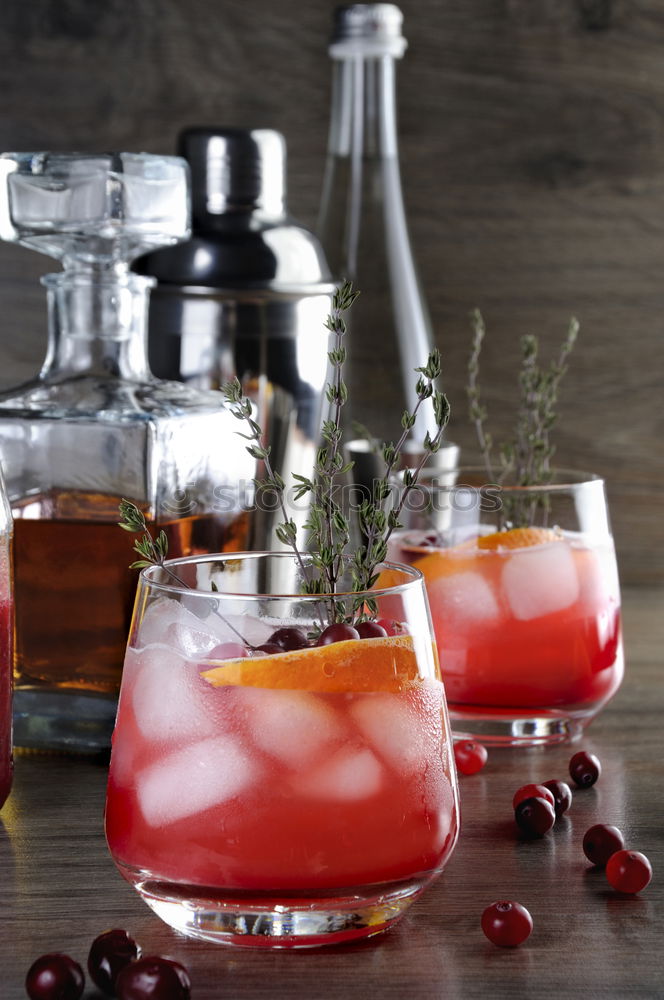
154, 978
370, 630
55, 977
507, 923
628, 871
270, 648
469, 756
600, 842
289, 638
337, 633
562, 795
535, 816
584, 769
533, 791
109, 954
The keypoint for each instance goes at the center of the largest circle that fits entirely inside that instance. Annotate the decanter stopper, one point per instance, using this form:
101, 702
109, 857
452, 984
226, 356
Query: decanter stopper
100, 209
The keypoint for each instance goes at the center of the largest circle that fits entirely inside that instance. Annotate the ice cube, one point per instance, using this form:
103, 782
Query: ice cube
122, 766
166, 704
350, 775
540, 581
441, 805
194, 779
294, 726
462, 599
192, 642
393, 729
167, 620
598, 575
197, 629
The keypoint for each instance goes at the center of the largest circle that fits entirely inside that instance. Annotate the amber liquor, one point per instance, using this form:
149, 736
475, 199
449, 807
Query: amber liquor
74, 590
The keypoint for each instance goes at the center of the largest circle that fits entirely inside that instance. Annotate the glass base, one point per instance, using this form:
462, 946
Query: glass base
504, 727
63, 721
262, 920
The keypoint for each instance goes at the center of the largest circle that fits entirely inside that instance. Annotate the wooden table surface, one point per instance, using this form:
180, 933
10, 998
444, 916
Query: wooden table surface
59, 888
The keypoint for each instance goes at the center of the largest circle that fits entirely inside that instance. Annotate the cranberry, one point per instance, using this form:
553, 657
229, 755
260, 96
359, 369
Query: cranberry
430, 539
154, 978
421, 541
270, 648
535, 816
585, 769
109, 954
600, 842
55, 977
628, 871
337, 633
507, 924
370, 630
562, 795
289, 638
227, 651
533, 791
392, 627
470, 757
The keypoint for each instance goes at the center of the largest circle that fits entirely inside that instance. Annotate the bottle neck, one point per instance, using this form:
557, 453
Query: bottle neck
97, 324
363, 119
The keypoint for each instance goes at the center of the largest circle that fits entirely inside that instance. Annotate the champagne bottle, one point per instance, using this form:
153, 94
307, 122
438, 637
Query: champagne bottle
362, 224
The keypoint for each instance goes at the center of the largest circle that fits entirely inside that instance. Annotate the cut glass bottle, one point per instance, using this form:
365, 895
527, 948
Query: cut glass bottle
95, 426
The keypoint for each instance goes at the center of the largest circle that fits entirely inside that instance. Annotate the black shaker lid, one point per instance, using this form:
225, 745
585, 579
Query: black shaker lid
242, 236
234, 170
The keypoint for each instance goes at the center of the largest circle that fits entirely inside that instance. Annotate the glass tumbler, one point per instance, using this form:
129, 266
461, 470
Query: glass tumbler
524, 596
268, 791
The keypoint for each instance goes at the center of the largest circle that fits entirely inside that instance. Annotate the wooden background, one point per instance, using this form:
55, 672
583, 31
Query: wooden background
532, 145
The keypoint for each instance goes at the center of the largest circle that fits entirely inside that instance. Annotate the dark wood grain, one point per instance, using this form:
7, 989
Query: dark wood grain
532, 140
59, 887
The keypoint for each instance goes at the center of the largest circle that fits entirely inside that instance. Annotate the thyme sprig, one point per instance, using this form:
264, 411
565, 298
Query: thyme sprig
478, 413
327, 525
526, 456
531, 454
153, 552
376, 522
242, 409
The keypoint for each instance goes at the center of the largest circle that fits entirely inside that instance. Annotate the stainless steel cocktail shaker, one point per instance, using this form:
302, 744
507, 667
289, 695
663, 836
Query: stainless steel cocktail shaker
247, 295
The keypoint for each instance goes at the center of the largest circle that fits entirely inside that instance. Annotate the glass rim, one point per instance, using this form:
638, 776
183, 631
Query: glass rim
564, 479
416, 578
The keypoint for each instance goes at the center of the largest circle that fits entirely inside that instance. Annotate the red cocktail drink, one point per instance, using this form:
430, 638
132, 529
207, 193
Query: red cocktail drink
527, 622
318, 779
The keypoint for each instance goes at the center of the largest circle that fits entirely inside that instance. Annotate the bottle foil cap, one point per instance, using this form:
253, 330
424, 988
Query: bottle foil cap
367, 29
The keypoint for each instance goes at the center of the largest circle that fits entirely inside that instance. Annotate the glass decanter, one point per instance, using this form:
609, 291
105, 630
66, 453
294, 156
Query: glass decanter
96, 426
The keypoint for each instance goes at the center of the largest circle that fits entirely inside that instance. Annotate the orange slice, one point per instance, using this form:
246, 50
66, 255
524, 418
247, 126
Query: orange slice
381, 664
517, 538
463, 558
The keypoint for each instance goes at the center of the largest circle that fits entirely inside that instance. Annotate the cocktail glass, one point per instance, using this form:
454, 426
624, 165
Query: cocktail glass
283, 796
524, 596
